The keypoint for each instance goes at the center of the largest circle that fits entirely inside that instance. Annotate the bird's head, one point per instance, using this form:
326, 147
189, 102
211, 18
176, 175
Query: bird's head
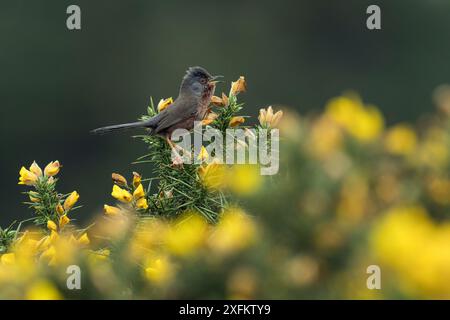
198, 82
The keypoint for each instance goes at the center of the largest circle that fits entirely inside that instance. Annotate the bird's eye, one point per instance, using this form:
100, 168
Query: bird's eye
203, 80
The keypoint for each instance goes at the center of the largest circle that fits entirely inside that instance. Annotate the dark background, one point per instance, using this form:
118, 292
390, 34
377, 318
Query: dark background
56, 84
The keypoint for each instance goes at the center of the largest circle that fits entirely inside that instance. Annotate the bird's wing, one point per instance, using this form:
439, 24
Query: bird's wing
175, 113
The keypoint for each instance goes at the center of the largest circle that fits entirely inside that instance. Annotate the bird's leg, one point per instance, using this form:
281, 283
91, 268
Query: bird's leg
178, 160
171, 144
179, 148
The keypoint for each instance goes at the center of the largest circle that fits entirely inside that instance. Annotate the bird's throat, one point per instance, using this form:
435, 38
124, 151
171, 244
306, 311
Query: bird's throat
206, 100
209, 91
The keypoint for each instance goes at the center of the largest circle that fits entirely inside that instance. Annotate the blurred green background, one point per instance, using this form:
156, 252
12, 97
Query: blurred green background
56, 85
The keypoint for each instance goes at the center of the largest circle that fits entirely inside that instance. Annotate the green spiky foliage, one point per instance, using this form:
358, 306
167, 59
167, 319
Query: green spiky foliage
46, 200
225, 114
7, 237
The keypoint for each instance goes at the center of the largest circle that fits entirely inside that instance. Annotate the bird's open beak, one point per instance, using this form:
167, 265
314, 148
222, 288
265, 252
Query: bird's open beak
214, 79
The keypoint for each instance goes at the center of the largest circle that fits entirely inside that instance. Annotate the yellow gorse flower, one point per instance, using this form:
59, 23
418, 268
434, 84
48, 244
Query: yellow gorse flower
63, 220
164, 103
84, 239
139, 192
209, 118
137, 178
52, 168
206, 122
215, 100
142, 203
203, 154
51, 225
111, 210
27, 177
60, 209
139, 196
213, 175
238, 86
268, 119
121, 194
119, 179
46, 241
220, 101
235, 121
71, 200
225, 99
36, 169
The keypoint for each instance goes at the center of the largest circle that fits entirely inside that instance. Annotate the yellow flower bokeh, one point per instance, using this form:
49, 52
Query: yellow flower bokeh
364, 122
409, 242
401, 140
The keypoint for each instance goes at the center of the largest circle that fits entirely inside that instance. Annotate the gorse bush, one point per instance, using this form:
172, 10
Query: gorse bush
147, 229
351, 192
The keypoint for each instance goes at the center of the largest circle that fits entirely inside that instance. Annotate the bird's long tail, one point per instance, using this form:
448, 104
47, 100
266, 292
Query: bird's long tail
119, 127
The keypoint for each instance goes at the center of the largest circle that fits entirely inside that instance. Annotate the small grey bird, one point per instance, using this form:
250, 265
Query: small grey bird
196, 90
